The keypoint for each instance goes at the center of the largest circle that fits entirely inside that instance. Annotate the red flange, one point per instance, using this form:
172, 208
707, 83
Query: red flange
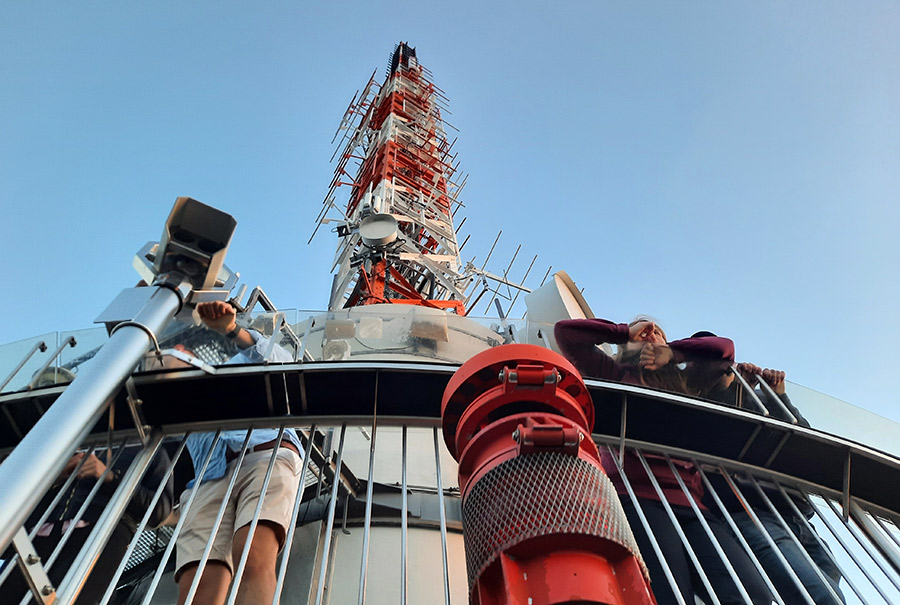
518, 391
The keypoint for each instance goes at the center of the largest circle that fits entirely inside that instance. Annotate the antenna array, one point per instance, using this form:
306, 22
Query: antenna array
397, 239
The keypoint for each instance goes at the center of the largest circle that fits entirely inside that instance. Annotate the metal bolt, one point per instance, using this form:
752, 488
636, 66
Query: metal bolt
515, 435
48, 590
33, 559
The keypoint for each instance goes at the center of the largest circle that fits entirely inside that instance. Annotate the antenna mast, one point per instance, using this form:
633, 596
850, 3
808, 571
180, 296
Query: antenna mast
397, 241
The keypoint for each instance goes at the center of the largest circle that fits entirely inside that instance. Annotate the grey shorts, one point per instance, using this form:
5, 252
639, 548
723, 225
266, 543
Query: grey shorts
277, 508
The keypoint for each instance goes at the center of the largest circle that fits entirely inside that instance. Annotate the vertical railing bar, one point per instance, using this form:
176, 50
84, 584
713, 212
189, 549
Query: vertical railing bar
622, 429
404, 523
850, 554
328, 439
364, 566
143, 524
344, 529
765, 498
440, 491
254, 522
109, 519
886, 530
302, 353
204, 558
289, 539
872, 554
677, 526
279, 319
774, 397
182, 516
647, 529
740, 537
329, 527
884, 546
845, 496
11, 562
709, 534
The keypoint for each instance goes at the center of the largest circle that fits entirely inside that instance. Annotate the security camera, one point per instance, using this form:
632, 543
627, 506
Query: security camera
194, 242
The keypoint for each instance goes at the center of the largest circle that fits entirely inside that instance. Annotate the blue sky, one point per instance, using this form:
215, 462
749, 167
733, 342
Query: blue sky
725, 166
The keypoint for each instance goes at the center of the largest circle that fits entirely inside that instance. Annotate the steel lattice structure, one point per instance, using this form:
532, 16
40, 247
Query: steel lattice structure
398, 243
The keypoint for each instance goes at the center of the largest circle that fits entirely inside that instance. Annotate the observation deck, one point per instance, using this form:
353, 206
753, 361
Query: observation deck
379, 517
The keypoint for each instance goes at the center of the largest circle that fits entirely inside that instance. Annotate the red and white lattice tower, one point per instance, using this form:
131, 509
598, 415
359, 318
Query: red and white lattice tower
398, 243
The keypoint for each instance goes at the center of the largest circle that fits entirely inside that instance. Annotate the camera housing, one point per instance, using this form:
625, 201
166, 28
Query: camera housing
194, 242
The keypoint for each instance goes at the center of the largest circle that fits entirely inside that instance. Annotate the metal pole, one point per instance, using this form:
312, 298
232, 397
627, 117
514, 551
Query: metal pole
329, 526
440, 491
32, 467
364, 565
404, 524
298, 500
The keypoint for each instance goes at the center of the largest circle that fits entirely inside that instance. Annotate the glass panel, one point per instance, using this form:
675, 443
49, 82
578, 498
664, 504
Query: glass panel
838, 417
87, 343
403, 333
27, 351
395, 332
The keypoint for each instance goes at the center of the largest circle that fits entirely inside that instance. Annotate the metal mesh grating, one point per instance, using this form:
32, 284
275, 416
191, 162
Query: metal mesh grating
539, 495
149, 543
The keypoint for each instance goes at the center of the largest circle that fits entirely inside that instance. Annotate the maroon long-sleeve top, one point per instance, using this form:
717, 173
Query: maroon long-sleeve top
578, 340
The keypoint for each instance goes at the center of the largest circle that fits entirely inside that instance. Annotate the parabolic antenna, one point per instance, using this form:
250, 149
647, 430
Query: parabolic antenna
378, 230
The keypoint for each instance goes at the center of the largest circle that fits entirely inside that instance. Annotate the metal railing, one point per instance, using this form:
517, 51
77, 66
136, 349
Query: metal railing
766, 483
352, 540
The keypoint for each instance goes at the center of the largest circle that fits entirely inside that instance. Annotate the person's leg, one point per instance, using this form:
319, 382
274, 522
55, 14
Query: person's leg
257, 583
821, 556
795, 558
213, 587
195, 534
671, 547
258, 579
716, 569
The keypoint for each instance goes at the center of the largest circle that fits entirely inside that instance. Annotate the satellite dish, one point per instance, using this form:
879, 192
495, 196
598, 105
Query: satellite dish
378, 230
557, 299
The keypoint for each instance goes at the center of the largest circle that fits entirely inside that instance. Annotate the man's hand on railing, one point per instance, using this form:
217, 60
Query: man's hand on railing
749, 372
222, 317
775, 379
218, 315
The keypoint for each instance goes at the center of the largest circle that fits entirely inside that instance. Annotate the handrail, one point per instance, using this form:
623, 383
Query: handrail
40, 346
